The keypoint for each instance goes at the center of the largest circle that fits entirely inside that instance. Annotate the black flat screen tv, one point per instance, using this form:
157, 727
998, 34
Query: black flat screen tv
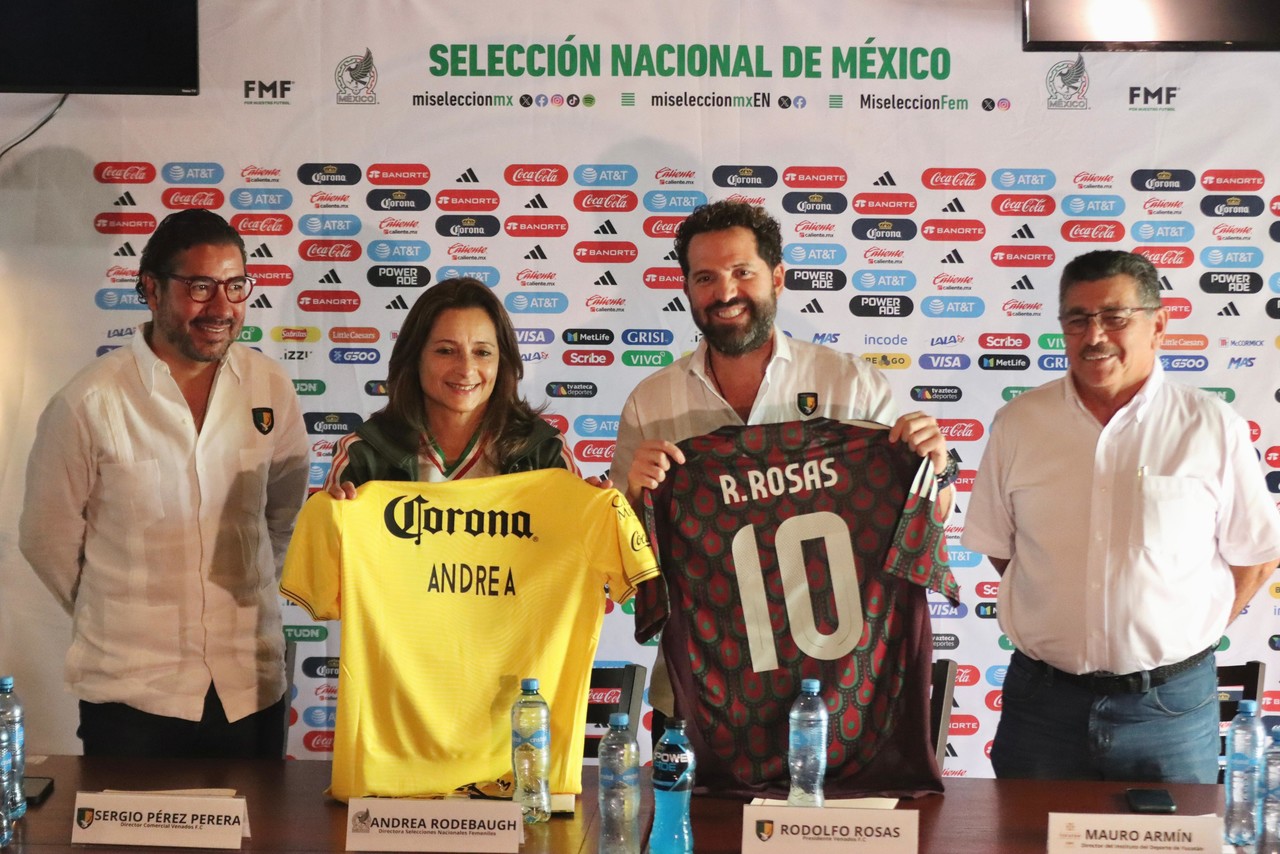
100, 47
1075, 25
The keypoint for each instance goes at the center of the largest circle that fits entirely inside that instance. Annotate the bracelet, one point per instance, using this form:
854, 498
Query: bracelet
949, 474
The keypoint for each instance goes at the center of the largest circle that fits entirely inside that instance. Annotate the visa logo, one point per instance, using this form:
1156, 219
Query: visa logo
944, 361
947, 611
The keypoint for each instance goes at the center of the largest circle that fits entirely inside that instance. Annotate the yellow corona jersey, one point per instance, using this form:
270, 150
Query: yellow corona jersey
450, 594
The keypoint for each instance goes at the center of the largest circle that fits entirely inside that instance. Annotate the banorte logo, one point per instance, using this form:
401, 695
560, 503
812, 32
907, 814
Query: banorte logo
963, 725
1232, 180
131, 222
1178, 307
536, 174
1022, 256
270, 275
884, 204
1092, 231
953, 229
940, 178
1167, 257
662, 226
605, 252
186, 198
328, 300
329, 250
815, 177
1023, 204
124, 172
264, 224
467, 200
401, 174
663, 278
536, 226
619, 201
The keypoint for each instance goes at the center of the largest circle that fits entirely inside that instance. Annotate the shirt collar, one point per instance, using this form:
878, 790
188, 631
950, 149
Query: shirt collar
781, 352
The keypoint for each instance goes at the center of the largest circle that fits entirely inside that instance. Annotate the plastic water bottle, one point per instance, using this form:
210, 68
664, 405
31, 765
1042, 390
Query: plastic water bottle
807, 747
6, 781
1245, 744
673, 768
1270, 842
11, 720
619, 789
531, 752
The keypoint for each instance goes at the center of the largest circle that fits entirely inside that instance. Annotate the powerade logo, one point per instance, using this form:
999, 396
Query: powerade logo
1184, 363
1053, 362
659, 201
118, 298
246, 199
1163, 231
605, 426
820, 254
647, 337
192, 173
488, 276
1090, 205
1231, 283
944, 361
1023, 179
800, 279
872, 228
952, 307
354, 356
534, 336
398, 276
881, 306
1244, 256
322, 717
541, 303
884, 281
339, 225
605, 175
398, 250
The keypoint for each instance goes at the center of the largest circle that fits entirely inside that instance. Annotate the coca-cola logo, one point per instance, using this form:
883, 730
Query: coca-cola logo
995, 700
318, 741
135, 172
181, 198
594, 451
960, 429
816, 177
662, 226
557, 421
1004, 341
403, 174
270, 275
536, 174
268, 224
467, 200
536, 226
329, 250
111, 222
605, 200
967, 674
604, 696
1020, 204
1167, 256
1092, 231
953, 179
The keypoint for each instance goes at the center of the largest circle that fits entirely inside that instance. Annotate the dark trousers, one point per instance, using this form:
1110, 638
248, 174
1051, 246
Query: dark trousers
115, 729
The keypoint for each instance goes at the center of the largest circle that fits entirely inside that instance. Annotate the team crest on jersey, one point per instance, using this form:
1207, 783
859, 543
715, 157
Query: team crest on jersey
264, 418
764, 830
807, 402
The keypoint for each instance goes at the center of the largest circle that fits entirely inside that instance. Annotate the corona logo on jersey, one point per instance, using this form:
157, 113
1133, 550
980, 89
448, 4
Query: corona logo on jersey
419, 516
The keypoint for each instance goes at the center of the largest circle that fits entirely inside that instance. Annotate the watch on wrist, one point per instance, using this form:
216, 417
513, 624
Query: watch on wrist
949, 474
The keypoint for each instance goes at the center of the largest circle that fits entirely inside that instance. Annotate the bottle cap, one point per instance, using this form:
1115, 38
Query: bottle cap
675, 723
619, 720
529, 686
6, 684
1248, 707
810, 686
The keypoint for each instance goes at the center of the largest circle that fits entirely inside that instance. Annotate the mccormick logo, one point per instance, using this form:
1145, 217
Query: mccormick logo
1032, 204
594, 451
744, 176
953, 179
663, 278
1022, 256
884, 204
1167, 257
124, 173
536, 226
662, 226
536, 174
124, 223
605, 252
603, 200
265, 224
1178, 307
403, 174
953, 229
1092, 231
270, 275
816, 177
1232, 180
328, 300
329, 250
960, 429
467, 200
666, 175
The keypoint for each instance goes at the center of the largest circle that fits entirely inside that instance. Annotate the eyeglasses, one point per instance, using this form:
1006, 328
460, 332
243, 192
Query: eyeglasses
1109, 319
202, 288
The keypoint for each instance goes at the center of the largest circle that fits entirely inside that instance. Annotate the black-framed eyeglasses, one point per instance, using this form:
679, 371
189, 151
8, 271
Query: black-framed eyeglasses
1109, 319
202, 288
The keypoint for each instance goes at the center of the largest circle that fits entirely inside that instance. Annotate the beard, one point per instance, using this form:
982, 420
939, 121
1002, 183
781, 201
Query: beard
735, 341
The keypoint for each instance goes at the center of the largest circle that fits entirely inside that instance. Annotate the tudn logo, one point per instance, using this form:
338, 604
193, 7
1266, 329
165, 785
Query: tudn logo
417, 516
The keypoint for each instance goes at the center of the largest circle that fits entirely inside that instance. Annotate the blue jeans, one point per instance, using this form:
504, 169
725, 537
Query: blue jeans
1055, 730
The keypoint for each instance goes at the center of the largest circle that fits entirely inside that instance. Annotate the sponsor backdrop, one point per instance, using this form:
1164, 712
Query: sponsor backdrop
930, 177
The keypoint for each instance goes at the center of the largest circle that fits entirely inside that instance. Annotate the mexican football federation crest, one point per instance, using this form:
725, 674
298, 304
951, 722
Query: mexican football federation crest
264, 418
807, 402
84, 817
764, 829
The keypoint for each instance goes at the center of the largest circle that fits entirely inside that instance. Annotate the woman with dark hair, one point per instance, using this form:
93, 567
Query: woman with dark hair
454, 408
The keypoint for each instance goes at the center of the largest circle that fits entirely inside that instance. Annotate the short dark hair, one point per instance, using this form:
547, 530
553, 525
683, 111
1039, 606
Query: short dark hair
178, 232
717, 216
1105, 263
508, 418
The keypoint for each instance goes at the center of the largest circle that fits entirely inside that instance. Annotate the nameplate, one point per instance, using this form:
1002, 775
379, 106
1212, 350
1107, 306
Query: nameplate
137, 818
452, 824
1076, 832
774, 829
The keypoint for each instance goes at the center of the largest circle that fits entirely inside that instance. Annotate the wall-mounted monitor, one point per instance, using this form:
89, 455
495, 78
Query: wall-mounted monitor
1075, 25
113, 47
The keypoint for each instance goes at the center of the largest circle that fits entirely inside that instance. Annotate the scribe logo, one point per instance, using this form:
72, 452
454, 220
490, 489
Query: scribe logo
1004, 341
588, 358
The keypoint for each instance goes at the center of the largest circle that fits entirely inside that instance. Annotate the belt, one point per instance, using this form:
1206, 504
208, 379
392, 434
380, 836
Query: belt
1102, 682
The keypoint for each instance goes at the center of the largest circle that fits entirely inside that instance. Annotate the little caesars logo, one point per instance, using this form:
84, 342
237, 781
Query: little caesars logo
1067, 82
356, 78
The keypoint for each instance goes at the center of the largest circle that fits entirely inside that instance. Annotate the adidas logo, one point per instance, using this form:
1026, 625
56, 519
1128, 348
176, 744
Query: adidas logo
536, 202
125, 200
536, 254
812, 307
125, 251
1229, 310
674, 305
953, 206
951, 751
1023, 233
671, 256
885, 180
398, 302
1023, 284
953, 257
468, 177
261, 252
330, 278
261, 302
1164, 284
606, 280
607, 228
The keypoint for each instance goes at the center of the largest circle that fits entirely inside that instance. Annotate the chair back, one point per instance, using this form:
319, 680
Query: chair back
942, 688
613, 689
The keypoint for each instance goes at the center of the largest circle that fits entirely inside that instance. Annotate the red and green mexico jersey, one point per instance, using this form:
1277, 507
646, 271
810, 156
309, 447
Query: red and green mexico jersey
791, 551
